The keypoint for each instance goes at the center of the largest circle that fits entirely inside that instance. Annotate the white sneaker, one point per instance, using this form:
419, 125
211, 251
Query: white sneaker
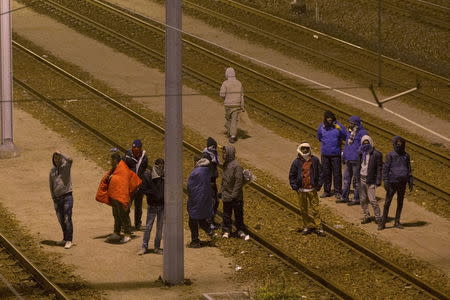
226, 235
126, 239
241, 234
68, 245
247, 237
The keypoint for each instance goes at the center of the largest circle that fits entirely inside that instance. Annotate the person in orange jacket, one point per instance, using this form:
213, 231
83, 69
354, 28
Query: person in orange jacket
115, 189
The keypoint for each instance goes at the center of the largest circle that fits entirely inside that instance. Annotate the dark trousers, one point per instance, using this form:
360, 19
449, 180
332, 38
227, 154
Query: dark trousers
236, 206
137, 199
193, 226
121, 218
399, 188
63, 207
331, 168
351, 174
215, 198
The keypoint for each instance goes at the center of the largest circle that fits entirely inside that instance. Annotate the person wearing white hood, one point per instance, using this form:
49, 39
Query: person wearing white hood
233, 94
371, 165
305, 177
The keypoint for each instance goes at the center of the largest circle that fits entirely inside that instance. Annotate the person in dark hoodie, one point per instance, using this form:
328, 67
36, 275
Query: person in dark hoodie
397, 174
137, 161
60, 182
370, 168
331, 134
351, 160
200, 203
213, 157
305, 178
153, 187
232, 193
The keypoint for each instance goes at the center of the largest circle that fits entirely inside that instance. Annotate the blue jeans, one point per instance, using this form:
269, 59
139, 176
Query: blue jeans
154, 212
331, 168
351, 172
63, 207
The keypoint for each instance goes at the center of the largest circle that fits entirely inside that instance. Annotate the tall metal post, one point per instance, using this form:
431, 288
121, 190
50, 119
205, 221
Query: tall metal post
380, 81
173, 225
7, 148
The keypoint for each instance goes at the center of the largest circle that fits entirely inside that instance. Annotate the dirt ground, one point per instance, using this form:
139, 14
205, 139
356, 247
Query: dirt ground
117, 269
428, 237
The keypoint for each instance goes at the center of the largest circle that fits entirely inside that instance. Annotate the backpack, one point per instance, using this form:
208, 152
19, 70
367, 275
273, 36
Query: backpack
248, 176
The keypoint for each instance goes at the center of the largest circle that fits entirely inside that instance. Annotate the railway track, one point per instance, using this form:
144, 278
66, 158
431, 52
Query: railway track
425, 11
115, 113
154, 33
23, 280
302, 40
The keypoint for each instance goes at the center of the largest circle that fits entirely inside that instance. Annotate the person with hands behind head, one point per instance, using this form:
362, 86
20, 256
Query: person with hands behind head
305, 177
397, 173
60, 182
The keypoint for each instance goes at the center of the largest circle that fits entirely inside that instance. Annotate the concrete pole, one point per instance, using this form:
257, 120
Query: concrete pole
7, 148
173, 189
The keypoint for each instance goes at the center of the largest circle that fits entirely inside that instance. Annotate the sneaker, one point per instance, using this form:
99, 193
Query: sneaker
306, 231
325, 195
61, 243
126, 239
398, 225
351, 203
195, 244
226, 235
158, 251
366, 220
142, 251
320, 232
68, 245
242, 235
341, 200
338, 196
232, 139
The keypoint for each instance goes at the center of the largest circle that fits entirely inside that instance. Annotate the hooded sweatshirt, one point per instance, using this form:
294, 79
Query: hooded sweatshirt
331, 136
231, 90
153, 187
232, 177
397, 167
200, 203
59, 179
305, 174
353, 140
371, 162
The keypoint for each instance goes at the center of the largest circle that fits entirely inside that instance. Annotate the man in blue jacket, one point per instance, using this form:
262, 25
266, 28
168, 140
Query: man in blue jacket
396, 174
352, 143
331, 134
200, 203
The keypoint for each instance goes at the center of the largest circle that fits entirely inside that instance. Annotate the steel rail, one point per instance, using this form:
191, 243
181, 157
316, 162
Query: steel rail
33, 270
264, 107
295, 46
286, 257
321, 35
346, 240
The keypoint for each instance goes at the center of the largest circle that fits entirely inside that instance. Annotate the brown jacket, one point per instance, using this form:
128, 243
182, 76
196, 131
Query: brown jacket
232, 177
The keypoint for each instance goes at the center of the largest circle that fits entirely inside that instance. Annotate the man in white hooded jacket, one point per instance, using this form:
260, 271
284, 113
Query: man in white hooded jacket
231, 90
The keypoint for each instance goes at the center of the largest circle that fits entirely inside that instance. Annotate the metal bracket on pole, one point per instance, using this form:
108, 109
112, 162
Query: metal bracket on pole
385, 100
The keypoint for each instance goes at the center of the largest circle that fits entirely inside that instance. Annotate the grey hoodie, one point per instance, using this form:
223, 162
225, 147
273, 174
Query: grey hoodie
231, 90
60, 180
232, 177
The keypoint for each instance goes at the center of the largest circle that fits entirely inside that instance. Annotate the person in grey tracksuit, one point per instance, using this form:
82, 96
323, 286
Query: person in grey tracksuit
232, 192
370, 168
60, 183
233, 93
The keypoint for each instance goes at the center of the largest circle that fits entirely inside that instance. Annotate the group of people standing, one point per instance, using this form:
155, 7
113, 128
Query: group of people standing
364, 168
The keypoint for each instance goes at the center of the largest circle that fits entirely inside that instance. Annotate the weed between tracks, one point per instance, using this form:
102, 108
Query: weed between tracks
268, 218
